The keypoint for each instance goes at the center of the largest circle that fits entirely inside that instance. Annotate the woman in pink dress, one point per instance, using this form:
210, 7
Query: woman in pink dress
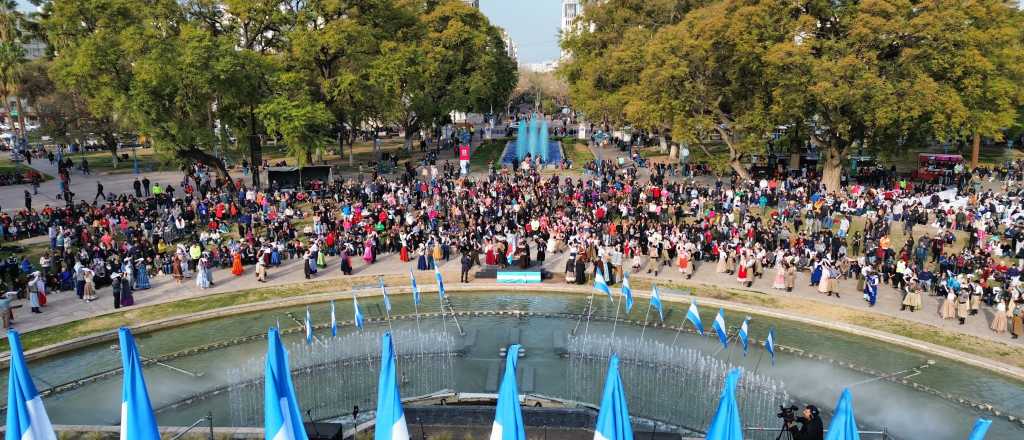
491, 259
368, 251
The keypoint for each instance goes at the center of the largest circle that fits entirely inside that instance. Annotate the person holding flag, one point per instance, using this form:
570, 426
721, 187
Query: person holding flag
613, 420
693, 315
390, 423
720, 328
744, 335
508, 417
358, 315
281, 417
137, 419
26, 416
627, 292
334, 321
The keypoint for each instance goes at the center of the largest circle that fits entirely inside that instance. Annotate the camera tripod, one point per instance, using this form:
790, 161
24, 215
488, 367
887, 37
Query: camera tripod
784, 433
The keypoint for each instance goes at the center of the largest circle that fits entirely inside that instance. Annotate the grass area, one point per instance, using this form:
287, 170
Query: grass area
905, 160
577, 151
149, 161
9, 167
32, 251
488, 153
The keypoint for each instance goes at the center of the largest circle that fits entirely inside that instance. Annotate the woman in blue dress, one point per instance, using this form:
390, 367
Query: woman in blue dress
141, 275
816, 273
311, 261
421, 260
202, 280
871, 288
275, 257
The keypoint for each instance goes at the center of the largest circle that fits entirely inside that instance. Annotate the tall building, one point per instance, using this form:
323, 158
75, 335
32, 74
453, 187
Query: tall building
571, 10
510, 46
473, 3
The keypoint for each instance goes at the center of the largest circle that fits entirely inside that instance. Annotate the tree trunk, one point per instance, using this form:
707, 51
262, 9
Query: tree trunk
21, 118
673, 152
10, 118
737, 166
975, 149
255, 149
832, 169
408, 138
111, 143
193, 154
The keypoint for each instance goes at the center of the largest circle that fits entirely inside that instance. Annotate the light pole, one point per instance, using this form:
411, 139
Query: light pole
135, 159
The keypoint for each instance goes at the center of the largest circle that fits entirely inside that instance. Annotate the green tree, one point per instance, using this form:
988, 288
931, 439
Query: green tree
293, 113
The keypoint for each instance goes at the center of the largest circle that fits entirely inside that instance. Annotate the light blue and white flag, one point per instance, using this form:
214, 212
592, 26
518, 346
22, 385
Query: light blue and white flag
415, 289
694, 317
390, 417
978, 433
627, 292
601, 285
843, 425
281, 417
769, 344
358, 314
613, 420
137, 419
720, 329
726, 423
334, 321
308, 327
26, 416
656, 302
744, 335
440, 282
508, 418
384, 291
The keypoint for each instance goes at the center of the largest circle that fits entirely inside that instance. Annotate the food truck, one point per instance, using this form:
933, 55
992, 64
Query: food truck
935, 167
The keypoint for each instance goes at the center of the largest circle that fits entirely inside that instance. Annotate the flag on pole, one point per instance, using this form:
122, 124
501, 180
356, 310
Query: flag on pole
26, 416
978, 433
384, 291
601, 285
627, 292
694, 316
137, 420
719, 326
440, 282
309, 327
390, 417
656, 302
358, 314
769, 344
744, 335
415, 289
726, 423
613, 419
281, 417
843, 425
508, 418
334, 321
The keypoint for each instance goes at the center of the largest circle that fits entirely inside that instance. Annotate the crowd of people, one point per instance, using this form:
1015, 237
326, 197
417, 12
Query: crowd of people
616, 219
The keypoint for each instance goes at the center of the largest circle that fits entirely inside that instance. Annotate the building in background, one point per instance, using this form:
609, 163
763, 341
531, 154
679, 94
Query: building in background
473, 3
571, 10
510, 46
34, 49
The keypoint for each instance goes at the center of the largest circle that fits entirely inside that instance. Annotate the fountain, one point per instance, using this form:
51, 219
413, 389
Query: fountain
532, 140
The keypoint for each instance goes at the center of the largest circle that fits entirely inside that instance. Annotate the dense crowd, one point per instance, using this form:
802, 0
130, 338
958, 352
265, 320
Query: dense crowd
617, 219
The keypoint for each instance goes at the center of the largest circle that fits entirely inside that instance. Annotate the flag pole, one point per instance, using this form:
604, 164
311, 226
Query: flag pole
644, 328
387, 312
615, 321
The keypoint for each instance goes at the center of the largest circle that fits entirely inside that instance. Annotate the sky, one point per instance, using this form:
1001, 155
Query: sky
533, 25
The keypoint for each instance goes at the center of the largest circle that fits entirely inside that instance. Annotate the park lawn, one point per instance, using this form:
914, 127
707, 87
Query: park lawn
577, 151
905, 160
488, 153
33, 251
9, 167
149, 161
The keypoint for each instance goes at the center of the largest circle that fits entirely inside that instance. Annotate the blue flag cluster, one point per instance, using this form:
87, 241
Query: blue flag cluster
721, 329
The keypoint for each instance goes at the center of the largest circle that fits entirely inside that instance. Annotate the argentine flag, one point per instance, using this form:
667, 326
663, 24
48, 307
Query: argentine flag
358, 315
26, 416
744, 335
508, 419
656, 302
440, 282
137, 420
309, 327
613, 420
334, 321
769, 344
415, 289
694, 316
281, 417
390, 417
384, 291
601, 285
719, 326
627, 292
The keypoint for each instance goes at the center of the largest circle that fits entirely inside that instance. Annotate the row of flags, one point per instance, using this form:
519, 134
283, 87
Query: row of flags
692, 315
27, 418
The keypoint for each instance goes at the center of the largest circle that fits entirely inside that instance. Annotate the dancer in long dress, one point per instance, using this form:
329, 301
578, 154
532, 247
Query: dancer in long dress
89, 291
141, 275
780, 276
999, 320
202, 281
948, 309
871, 288
127, 299
816, 273
236, 264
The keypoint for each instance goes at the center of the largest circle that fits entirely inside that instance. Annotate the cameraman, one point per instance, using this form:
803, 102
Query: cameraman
811, 427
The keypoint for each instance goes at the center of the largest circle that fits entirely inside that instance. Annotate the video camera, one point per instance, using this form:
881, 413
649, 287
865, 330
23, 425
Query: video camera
787, 414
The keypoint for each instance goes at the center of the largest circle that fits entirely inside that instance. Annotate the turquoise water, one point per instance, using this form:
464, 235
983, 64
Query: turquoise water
907, 413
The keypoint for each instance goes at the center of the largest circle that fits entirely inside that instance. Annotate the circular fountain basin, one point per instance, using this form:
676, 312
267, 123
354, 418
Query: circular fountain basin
670, 376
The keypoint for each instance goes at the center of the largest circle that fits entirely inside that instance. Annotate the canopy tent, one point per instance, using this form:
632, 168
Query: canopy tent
296, 177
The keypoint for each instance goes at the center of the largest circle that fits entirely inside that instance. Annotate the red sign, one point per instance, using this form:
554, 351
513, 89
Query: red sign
463, 152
